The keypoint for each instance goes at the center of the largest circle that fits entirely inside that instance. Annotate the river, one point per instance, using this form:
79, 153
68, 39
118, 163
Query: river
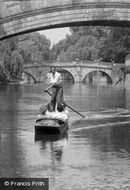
93, 155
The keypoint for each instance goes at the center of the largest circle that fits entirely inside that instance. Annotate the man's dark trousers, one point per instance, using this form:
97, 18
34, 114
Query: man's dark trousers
57, 95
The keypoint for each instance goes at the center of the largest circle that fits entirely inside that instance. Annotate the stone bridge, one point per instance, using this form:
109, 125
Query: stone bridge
23, 16
78, 72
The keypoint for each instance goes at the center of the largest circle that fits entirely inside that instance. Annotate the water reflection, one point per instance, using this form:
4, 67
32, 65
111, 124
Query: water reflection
50, 138
105, 157
56, 143
12, 157
107, 138
96, 155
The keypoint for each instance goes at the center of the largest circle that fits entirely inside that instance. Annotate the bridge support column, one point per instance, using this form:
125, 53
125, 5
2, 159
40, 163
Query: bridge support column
78, 74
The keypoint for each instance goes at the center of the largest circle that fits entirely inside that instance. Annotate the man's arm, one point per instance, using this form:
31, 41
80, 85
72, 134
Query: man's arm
50, 87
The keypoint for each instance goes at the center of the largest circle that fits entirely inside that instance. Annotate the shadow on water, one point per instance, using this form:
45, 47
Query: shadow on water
49, 137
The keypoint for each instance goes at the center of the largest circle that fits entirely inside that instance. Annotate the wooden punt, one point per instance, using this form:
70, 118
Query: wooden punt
52, 124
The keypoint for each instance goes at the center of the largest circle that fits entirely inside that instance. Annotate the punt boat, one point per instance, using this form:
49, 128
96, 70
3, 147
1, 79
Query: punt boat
52, 123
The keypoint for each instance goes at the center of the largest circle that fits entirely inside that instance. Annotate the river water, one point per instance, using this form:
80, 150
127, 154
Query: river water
93, 155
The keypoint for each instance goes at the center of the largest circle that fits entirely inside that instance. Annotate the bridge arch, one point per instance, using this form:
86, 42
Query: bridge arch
67, 71
19, 17
104, 74
101, 73
30, 75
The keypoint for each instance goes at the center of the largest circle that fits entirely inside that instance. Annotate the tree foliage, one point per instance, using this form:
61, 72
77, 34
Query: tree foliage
12, 59
117, 45
34, 47
94, 42
3, 76
84, 43
20, 50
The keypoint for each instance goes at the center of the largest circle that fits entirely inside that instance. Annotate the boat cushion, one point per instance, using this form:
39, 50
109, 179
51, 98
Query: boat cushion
63, 116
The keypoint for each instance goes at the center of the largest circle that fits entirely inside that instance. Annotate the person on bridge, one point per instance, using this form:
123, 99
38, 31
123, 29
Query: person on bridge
122, 75
56, 86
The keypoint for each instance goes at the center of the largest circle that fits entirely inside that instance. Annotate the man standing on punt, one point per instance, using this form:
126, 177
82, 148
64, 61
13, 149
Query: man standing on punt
56, 86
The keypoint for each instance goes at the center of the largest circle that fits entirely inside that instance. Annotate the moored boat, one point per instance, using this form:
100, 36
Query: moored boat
52, 123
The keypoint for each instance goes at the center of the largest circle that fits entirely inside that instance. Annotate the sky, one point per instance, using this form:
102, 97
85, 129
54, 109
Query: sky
55, 35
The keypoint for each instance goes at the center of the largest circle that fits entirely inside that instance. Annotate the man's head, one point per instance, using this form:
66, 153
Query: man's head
61, 107
52, 70
50, 107
43, 109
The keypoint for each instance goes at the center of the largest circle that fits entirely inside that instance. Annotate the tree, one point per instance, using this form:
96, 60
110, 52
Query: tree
12, 59
17, 64
116, 45
34, 47
3, 75
83, 43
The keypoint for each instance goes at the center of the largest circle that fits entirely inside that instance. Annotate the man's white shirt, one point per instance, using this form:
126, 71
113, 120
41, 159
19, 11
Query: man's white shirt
56, 78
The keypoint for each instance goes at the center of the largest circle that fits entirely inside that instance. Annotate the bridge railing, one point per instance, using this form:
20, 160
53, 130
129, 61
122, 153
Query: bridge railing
73, 63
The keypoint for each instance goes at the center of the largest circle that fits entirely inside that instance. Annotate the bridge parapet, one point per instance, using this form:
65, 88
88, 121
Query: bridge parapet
69, 64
